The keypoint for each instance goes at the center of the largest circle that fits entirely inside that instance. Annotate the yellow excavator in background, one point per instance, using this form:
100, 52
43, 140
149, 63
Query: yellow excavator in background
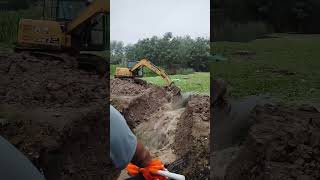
136, 71
73, 27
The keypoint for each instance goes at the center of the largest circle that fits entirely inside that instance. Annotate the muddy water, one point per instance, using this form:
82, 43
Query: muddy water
230, 128
158, 133
232, 121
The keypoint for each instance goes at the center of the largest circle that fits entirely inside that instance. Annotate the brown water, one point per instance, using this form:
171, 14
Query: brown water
232, 121
159, 132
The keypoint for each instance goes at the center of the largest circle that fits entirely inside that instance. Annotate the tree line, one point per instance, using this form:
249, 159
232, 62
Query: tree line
170, 52
300, 16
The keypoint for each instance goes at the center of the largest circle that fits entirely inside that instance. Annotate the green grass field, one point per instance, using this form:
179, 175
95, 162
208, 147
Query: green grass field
198, 82
287, 67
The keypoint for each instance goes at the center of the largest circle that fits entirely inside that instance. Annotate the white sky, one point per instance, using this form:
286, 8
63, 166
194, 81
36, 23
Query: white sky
132, 20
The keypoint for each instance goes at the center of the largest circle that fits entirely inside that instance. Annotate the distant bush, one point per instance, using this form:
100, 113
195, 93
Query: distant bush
185, 71
148, 73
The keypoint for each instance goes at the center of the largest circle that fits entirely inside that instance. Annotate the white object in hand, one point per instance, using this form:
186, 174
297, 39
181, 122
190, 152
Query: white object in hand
171, 175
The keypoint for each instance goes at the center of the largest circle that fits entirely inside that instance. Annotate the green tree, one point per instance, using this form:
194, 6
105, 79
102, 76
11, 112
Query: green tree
172, 53
117, 51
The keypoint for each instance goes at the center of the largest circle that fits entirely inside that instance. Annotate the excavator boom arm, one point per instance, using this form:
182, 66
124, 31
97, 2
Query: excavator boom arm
98, 6
154, 68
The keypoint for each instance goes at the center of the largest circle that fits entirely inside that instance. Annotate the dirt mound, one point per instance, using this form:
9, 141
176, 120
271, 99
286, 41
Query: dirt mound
127, 87
192, 138
141, 107
28, 80
53, 112
138, 101
284, 143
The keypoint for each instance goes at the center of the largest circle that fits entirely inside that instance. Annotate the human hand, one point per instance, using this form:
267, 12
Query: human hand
149, 172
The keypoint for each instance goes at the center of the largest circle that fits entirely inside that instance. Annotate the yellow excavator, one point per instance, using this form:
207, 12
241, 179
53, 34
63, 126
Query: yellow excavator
136, 71
73, 27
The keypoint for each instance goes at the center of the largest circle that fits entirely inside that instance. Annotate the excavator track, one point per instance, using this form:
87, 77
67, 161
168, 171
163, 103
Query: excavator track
84, 61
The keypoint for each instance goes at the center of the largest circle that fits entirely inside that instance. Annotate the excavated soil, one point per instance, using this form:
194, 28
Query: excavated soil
192, 138
283, 144
128, 87
56, 115
176, 134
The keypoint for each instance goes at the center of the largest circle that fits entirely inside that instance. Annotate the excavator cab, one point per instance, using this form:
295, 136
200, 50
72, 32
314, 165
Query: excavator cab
134, 69
138, 72
92, 35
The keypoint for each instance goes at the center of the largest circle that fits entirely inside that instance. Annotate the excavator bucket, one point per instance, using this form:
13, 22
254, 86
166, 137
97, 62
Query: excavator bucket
176, 91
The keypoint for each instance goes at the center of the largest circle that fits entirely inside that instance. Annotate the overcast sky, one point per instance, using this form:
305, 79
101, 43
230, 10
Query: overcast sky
132, 20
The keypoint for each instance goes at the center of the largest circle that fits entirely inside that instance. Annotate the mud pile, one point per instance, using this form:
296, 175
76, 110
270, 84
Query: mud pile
54, 113
178, 135
143, 106
192, 138
48, 82
139, 101
284, 143
128, 87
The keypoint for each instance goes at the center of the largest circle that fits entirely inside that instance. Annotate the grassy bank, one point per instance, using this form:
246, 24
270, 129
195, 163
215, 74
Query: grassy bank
286, 66
198, 82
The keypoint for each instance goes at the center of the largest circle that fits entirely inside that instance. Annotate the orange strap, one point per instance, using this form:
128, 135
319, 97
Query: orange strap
148, 172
